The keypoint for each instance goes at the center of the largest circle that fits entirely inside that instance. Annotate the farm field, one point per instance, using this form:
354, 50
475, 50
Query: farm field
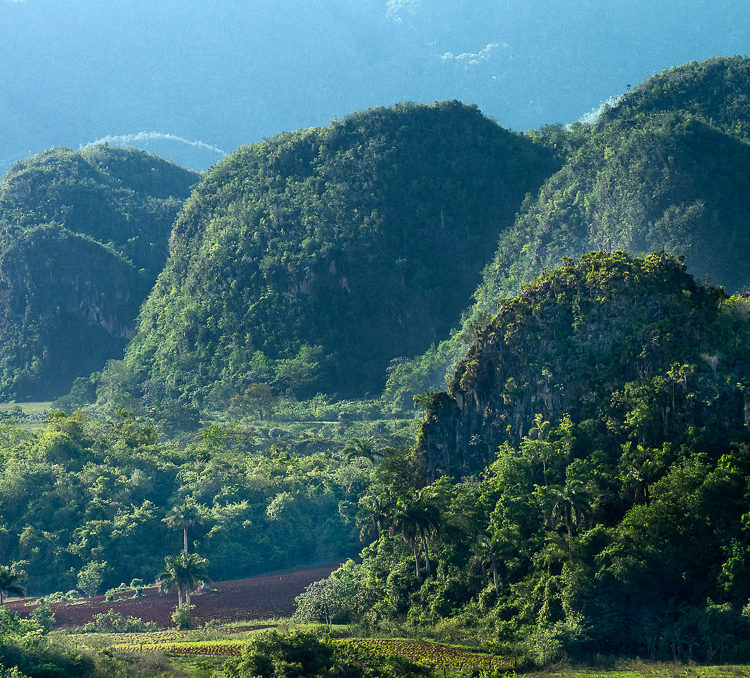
644, 669
202, 650
238, 609
264, 597
441, 656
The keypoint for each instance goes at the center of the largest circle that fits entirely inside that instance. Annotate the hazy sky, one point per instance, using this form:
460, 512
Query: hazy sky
227, 72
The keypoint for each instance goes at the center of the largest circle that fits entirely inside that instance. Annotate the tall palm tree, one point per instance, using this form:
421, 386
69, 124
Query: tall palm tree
414, 518
184, 571
494, 552
8, 583
372, 515
183, 517
171, 576
571, 504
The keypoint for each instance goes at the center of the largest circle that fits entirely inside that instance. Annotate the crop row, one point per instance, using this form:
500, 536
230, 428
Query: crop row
222, 648
365, 649
171, 635
417, 651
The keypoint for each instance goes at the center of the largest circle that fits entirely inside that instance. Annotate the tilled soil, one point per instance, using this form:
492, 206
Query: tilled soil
261, 597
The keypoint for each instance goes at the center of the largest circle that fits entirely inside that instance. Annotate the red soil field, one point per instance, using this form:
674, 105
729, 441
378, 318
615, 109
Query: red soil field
261, 597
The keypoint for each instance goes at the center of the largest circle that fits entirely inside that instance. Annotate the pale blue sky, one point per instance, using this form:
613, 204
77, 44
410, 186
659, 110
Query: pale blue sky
227, 72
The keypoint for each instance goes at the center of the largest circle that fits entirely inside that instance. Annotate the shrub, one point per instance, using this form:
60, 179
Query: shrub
182, 617
113, 622
91, 577
44, 616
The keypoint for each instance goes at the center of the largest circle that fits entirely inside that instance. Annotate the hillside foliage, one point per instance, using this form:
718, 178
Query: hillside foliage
83, 236
311, 260
667, 167
583, 488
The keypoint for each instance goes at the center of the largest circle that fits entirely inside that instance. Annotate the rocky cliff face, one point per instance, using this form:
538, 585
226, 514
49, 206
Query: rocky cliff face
580, 339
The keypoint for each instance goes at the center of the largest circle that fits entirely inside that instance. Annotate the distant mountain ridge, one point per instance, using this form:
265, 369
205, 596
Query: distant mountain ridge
667, 168
319, 261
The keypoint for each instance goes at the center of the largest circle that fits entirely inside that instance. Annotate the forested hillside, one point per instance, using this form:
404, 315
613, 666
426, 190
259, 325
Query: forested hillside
668, 167
583, 486
82, 238
714, 90
580, 489
311, 260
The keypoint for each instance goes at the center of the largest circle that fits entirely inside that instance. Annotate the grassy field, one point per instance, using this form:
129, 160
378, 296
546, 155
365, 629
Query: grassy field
29, 415
27, 408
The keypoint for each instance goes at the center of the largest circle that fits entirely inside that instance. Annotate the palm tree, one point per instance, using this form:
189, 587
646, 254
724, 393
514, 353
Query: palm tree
171, 576
361, 447
372, 515
184, 517
184, 571
8, 586
571, 503
405, 521
484, 554
414, 518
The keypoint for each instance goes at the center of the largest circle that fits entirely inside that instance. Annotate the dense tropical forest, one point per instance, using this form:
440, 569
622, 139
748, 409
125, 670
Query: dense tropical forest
583, 486
503, 378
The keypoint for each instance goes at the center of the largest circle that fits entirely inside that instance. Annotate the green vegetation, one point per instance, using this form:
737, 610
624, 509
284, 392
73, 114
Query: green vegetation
84, 503
714, 90
581, 489
82, 238
122, 198
27, 652
308, 262
666, 168
597, 444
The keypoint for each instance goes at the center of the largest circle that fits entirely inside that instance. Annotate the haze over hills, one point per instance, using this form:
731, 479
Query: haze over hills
311, 261
581, 488
83, 236
667, 168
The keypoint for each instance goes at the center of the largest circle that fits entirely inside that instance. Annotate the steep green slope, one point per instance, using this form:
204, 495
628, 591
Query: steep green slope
68, 305
124, 197
583, 487
668, 182
668, 167
82, 238
311, 260
581, 340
